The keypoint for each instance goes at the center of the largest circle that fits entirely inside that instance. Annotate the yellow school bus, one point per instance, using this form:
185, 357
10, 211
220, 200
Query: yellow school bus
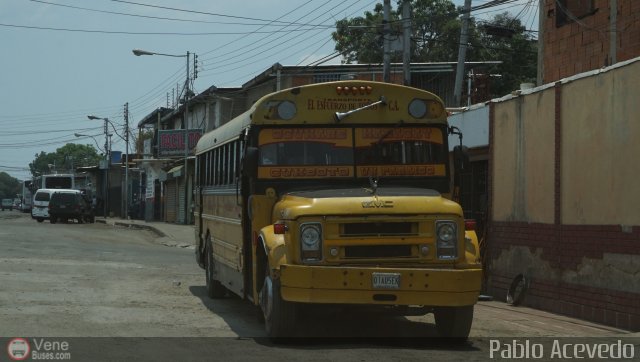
336, 193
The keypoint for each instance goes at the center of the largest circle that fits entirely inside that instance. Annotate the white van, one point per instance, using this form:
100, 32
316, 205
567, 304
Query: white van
40, 207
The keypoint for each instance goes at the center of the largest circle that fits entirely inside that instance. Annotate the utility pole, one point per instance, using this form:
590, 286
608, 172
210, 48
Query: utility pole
386, 30
105, 188
406, 41
613, 22
462, 53
541, 19
186, 144
126, 166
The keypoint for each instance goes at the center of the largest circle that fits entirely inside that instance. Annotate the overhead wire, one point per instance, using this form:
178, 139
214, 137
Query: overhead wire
201, 12
244, 47
275, 47
154, 17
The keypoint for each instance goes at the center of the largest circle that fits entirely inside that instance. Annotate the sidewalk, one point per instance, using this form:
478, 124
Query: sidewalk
176, 235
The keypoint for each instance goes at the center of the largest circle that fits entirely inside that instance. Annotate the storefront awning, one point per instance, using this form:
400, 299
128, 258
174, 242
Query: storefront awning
176, 171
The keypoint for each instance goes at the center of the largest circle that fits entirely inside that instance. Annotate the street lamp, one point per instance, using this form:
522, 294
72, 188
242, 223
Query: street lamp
139, 52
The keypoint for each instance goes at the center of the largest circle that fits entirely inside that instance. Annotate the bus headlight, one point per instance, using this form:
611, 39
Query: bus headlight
311, 241
447, 234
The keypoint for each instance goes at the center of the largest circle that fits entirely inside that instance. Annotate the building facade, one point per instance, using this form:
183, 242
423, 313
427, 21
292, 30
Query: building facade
582, 35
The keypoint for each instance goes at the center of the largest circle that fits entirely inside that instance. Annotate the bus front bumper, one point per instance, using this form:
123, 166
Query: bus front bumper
354, 285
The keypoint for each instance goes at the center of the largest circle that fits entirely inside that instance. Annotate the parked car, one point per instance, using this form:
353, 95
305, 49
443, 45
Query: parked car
40, 208
7, 204
70, 204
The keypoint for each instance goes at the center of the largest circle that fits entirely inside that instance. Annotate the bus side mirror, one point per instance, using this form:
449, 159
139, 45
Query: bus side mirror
460, 158
250, 162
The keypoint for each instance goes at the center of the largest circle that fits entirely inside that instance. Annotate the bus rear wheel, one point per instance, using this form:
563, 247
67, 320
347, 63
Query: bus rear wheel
215, 289
279, 315
454, 322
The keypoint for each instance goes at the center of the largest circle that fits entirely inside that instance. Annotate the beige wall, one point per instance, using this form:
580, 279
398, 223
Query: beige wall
600, 151
601, 148
523, 146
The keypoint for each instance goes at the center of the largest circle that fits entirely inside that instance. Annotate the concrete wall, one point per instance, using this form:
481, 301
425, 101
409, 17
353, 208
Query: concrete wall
523, 149
564, 196
600, 147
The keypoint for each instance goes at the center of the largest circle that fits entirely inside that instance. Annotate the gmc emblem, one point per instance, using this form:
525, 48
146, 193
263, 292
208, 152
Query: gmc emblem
377, 204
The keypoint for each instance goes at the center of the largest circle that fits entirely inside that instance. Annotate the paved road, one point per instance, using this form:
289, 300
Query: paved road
95, 280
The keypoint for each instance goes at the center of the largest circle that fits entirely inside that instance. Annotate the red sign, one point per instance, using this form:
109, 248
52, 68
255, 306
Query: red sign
171, 142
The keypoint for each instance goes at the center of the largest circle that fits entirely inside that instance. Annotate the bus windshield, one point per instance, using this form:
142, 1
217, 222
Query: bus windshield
306, 146
58, 182
369, 151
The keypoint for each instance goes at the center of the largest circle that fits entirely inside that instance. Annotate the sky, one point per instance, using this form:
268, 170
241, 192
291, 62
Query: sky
63, 60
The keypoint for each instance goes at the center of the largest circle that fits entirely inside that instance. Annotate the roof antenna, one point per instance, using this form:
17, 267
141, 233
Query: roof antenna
339, 116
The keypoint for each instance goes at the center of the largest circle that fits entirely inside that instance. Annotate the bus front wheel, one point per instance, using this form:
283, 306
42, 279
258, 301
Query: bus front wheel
279, 315
215, 289
454, 322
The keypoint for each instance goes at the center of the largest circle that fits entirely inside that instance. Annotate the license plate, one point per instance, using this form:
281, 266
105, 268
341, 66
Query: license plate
62, 206
386, 280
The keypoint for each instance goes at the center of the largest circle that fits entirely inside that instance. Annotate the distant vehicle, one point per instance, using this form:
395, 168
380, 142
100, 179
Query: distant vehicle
70, 204
57, 181
27, 196
40, 210
7, 204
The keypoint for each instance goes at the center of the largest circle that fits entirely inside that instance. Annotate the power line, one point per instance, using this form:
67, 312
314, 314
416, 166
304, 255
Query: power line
154, 17
275, 47
203, 12
118, 32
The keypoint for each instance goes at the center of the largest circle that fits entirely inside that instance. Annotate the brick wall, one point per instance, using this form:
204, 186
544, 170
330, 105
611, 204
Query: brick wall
565, 247
580, 46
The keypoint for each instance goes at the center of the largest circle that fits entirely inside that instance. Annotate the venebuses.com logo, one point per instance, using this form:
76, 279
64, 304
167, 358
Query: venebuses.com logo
18, 349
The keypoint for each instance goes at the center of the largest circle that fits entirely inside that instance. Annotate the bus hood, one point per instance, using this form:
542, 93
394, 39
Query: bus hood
361, 201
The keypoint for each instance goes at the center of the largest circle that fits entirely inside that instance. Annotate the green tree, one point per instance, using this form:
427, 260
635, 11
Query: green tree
64, 159
435, 38
9, 186
435, 33
504, 38
360, 39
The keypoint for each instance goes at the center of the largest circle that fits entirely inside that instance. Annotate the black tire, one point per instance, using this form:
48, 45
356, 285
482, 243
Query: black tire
454, 322
40, 219
215, 289
279, 315
81, 220
53, 219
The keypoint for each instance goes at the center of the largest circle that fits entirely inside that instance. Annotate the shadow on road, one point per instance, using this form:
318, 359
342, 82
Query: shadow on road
333, 326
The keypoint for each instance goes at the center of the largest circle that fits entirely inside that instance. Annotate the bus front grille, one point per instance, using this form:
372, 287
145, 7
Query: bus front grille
377, 251
379, 229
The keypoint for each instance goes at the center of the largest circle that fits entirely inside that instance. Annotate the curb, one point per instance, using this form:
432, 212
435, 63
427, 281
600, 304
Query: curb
135, 226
